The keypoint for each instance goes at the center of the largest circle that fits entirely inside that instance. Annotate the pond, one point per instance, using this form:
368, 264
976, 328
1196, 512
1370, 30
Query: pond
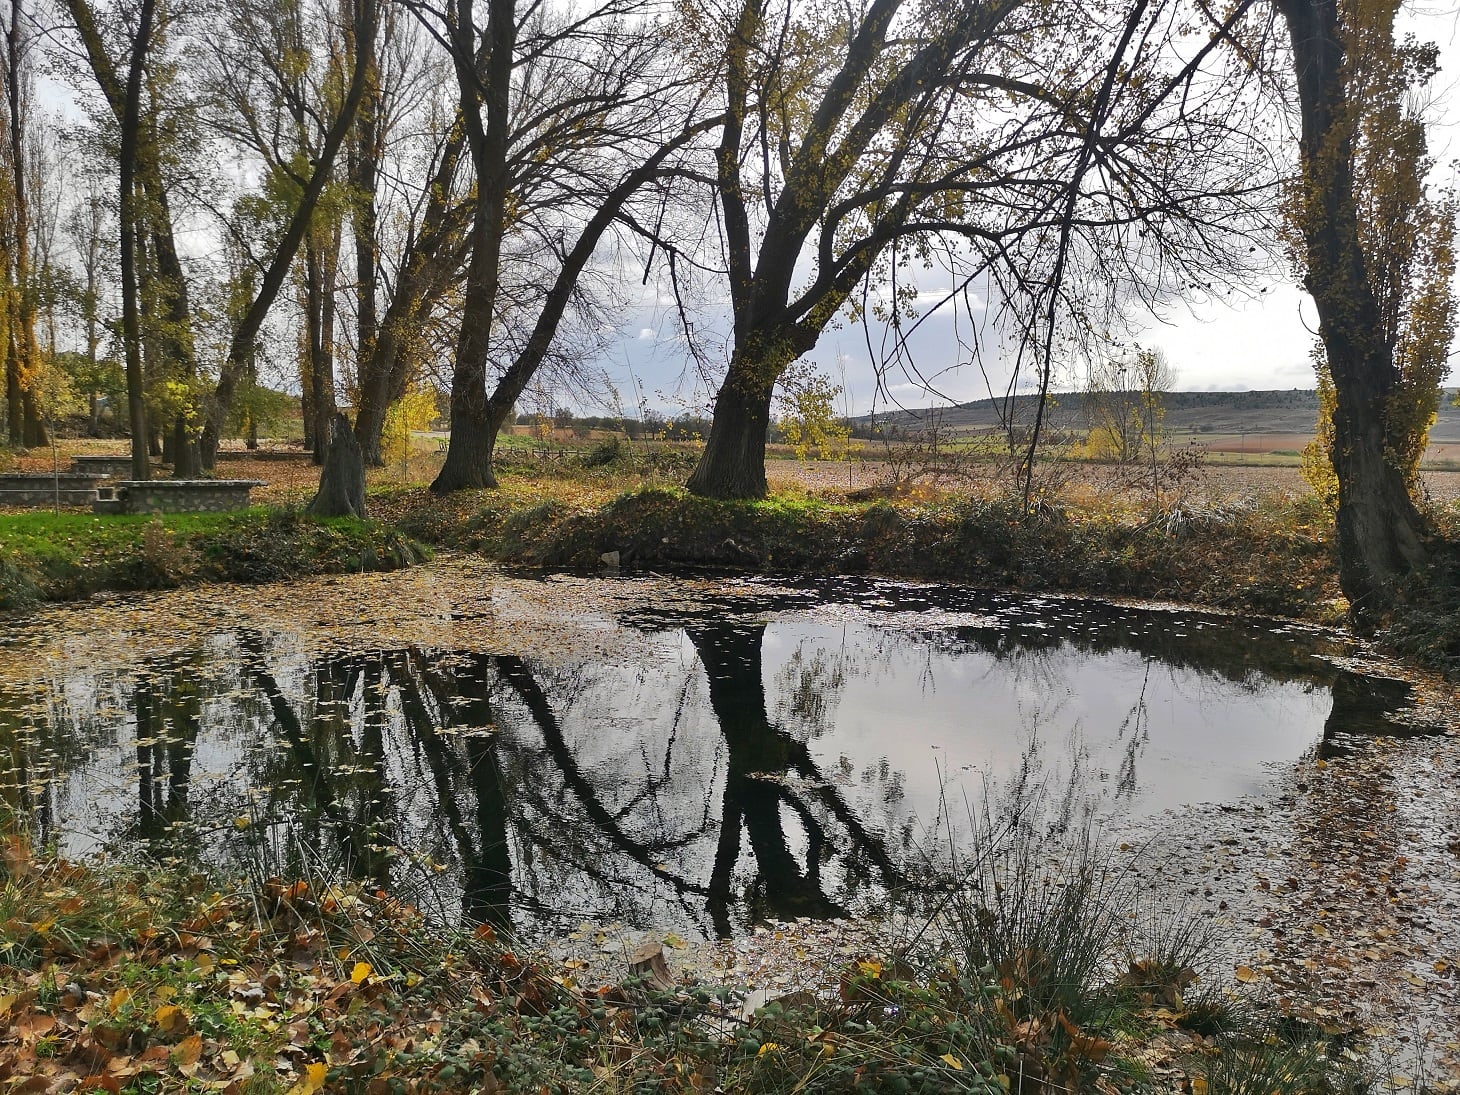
538, 751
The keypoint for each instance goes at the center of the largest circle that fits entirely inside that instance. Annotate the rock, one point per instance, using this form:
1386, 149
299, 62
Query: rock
609, 558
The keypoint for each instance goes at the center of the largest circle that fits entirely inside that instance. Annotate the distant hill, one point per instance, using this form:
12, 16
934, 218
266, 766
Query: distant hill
1290, 412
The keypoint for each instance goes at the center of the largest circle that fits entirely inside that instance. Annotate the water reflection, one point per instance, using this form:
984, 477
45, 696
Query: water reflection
787, 754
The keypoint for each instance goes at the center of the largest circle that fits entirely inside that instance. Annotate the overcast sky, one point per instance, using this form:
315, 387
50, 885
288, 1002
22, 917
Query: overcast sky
1256, 344
1260, 343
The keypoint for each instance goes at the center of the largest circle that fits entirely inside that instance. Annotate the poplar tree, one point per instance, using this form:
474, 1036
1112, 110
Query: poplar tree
1377, 255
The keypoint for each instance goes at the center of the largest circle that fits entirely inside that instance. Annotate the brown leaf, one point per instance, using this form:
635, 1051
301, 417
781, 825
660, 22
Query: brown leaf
188, 1051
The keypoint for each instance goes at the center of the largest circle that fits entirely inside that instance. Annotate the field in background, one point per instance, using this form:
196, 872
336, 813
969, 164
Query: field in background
1222, 475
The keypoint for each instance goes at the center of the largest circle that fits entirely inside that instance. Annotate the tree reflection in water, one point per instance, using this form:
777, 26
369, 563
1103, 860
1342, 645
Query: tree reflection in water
679, 790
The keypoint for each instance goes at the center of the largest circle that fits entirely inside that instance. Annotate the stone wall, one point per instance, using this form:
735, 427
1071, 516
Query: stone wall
38, 489
117, 466
38, 497
185, 495
67, 480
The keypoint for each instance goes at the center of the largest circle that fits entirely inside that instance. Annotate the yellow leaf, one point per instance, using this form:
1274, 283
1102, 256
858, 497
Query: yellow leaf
870, 968
1198, 1086
361, 971
169, 1017
242, 822
313, 1080
1246, 974
118, 998
952, 1062
188, 1050
769, 1047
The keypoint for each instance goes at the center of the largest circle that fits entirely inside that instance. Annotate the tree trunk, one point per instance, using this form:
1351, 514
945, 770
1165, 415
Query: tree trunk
185, 456
363, 170
14, 411
431, 258
385, 373
321, 255
733, 463
131, 320
342, 480
1380, 531
473, 431
473, 438
27, 427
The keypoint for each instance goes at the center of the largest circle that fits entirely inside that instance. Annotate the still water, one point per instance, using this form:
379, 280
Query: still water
759, 749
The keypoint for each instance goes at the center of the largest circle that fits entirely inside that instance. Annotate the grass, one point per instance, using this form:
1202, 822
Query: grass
1271, 557
1269, 554
46, 556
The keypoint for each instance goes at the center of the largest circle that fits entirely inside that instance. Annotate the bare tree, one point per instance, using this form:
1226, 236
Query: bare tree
1029, 137
308, 180
568, 116
1123, 396
430, 260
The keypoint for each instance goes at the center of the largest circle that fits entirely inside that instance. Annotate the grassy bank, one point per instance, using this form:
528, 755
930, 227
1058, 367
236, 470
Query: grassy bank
150, 981
1269, 553
1273, 556
57, 557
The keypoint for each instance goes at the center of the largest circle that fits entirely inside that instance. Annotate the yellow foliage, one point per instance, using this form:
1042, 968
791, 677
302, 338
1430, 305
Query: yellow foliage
413, 411
1318, 455
1124, 398
808, 415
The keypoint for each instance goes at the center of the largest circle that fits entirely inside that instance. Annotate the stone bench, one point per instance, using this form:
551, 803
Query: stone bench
176, 496
35, 489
